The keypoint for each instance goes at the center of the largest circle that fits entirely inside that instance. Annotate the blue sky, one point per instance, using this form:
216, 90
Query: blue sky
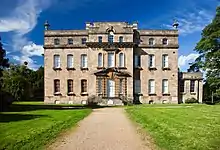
21, 21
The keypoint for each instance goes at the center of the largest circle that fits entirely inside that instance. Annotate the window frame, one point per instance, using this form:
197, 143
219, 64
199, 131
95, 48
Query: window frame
165, 62
151, 86
100, 39
163, 41
56, 61
121, 59
121, 39
99, 85
110, 38
56, 41
70, 41
192, 86
163, 86
100, 60
72, 61
151, 41
137, 60
151, 61
113, 60
56, 86
121, 86
137, 84
84, 86
84, 40
84, 61
69, 86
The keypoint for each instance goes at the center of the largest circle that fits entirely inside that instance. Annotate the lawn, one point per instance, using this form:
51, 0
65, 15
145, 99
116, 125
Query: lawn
31, 126
180, 127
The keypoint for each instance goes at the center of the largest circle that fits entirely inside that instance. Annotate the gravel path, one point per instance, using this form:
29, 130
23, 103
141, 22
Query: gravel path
104, 129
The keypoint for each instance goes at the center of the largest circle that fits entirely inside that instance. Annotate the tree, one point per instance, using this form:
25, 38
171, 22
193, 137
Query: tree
209, 49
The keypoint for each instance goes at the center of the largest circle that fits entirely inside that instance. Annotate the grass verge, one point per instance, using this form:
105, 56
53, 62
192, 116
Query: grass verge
33, 125
182, 127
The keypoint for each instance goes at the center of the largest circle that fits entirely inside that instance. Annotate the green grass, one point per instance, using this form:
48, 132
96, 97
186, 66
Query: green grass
32, 125
180, 128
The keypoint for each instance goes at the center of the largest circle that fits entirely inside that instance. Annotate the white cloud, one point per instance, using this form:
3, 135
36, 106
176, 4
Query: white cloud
184, 61
21, 21
193, 22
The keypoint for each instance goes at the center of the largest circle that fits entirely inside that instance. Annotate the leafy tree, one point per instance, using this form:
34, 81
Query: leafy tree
209, 49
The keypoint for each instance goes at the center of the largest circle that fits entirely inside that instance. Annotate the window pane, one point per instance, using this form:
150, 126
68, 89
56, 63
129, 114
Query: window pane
56, 61
121, 86
121, 39
70, 86
83, 86
99, 85
165, 61
70, 41
56, 86
100, 60
137, 84
84, 61
121, 60
165, 41
83, 40
56, 41
151, 61
100, 39
192, 85
69, 61
165, 86
110, 38
137, 61
111, 62
151, 86
151, 41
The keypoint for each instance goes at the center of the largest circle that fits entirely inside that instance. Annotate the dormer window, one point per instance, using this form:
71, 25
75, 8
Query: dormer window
56, 41
165, 41
151, 41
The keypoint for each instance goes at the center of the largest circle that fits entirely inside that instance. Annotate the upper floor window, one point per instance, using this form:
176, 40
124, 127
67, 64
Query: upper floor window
100, 60
83, 40
192, 85
151, 86
165, 41
151, 41
165, 88
121, 39
84, 61
137, 60
111, 37
56, 86
70, 41
83, 86
111, 60
56, 61
69, 86
165, 63
121, 60
151, 61
56, 41
70, 62
100, 39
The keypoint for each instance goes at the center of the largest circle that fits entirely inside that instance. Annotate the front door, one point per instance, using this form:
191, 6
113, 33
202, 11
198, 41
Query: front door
111, 88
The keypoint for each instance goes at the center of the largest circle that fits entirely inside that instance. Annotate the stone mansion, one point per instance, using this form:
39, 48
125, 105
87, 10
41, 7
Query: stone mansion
114, 59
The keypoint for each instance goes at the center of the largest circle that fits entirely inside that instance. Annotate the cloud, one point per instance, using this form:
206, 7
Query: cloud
21, 21
184, 60
193, 22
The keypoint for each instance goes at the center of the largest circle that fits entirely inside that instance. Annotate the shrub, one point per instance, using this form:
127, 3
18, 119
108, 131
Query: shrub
126, 100
94, 100
191, 100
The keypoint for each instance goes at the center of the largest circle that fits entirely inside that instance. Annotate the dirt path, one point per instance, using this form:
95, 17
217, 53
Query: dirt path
104, 129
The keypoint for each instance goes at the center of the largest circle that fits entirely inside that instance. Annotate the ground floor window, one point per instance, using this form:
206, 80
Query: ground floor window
56, 86
83, 86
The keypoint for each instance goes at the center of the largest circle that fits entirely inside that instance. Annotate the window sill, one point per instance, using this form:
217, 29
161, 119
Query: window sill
139, 94
152, 68
70, 69
166, 94
84, 68
57, 94
84, 94
71, 94
122, 67
139, 68
193, 93
56, 69
166, 68
152, 94
99, 94
100, 68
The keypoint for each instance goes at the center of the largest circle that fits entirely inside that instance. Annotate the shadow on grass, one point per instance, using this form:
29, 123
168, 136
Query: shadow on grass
18, 117
27, 107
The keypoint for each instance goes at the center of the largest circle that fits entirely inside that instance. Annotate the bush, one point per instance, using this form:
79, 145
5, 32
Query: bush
94, 100
126, 100
191, 100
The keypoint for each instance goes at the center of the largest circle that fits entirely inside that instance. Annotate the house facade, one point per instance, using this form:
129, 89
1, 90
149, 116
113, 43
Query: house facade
111, 60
